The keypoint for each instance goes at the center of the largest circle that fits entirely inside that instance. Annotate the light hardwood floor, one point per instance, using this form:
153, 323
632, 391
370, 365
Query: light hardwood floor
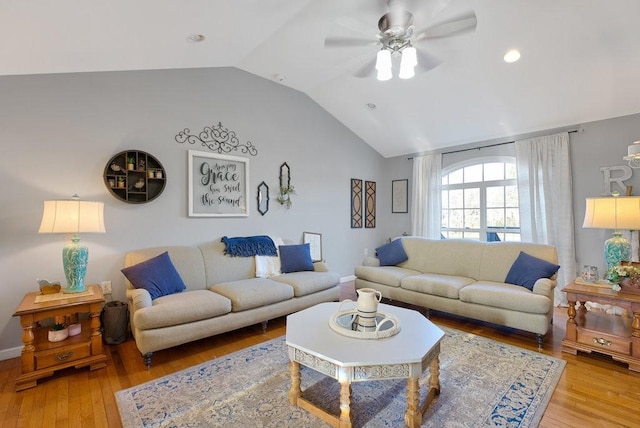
594, 391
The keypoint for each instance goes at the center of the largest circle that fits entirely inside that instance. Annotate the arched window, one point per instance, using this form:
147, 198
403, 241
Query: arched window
480, 200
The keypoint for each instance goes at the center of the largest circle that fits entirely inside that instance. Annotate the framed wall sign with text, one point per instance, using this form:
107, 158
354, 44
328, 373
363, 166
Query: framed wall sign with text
218, 185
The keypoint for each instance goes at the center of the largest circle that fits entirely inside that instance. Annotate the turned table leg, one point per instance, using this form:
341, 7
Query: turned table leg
294, 391
345, 404
572, 332
413, 417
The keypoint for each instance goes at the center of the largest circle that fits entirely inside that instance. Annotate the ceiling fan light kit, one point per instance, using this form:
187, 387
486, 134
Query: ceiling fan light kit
396, 38
383, 65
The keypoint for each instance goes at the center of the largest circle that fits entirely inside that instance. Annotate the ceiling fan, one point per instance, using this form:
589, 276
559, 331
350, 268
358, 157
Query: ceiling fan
396, 37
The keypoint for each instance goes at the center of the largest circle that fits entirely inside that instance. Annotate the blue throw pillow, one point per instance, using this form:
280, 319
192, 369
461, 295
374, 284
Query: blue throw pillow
157, 275
526, 270
392, 253
295, 258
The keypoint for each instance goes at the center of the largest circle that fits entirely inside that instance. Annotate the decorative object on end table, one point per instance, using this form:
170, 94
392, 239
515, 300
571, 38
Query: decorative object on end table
73, 216
617, 213
58, 333
625, 277
47, 287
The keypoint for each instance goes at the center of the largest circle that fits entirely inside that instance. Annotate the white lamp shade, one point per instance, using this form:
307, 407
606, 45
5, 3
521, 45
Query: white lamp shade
383, 64
617, 213
72, 216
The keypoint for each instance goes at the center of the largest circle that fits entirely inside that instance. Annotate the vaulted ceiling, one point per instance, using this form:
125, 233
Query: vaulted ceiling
580, 58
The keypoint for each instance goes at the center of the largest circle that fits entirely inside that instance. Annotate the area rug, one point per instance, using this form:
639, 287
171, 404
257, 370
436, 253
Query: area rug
483, 383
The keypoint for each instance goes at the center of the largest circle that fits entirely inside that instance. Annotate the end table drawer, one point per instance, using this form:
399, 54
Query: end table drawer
605, 341
55, 357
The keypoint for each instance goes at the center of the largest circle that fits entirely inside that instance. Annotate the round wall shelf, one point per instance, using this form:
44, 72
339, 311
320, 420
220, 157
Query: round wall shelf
135, 177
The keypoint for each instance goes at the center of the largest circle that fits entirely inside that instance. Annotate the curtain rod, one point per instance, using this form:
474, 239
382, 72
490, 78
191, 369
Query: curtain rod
494, 145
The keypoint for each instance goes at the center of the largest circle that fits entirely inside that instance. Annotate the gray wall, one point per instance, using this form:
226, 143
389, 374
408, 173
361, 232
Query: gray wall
57, 132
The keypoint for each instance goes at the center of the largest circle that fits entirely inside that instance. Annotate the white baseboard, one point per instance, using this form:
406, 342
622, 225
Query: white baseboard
7, 354
348, 278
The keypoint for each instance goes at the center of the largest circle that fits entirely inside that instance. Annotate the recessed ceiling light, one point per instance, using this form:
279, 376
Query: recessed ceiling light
371, 106
195, 38
512, 56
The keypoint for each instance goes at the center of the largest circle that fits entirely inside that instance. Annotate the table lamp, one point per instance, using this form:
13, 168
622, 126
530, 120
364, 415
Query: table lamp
73, 216
617, 213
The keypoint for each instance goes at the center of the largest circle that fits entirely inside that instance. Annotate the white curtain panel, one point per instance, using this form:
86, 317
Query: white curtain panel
426, 211
546, 201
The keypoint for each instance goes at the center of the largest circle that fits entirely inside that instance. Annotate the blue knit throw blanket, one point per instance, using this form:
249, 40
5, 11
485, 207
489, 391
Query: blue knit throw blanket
249, 246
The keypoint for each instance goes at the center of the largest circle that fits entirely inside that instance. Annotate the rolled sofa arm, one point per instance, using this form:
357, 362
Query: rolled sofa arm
138, 298
371, 261
320, 267
544, 287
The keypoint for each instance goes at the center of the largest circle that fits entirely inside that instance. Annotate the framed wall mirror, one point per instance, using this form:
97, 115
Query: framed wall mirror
263, 198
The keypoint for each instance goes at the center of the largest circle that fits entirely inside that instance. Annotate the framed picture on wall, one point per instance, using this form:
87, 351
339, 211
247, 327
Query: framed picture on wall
315, 244
399, 196
218, 185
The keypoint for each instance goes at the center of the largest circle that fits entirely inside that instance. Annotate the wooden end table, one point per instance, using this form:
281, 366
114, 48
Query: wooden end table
40, 358
589, 331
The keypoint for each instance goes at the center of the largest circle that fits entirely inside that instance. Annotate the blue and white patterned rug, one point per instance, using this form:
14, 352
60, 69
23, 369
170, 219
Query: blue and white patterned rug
483, 383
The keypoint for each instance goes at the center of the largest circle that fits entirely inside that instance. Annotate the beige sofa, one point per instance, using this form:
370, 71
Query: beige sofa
222, 294
467, 278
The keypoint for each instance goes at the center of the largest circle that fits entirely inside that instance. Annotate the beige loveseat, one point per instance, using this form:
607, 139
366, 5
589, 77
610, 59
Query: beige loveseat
222, 294
467, 278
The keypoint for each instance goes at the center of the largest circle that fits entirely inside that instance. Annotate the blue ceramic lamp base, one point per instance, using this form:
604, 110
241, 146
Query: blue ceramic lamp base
616, 250
74, 260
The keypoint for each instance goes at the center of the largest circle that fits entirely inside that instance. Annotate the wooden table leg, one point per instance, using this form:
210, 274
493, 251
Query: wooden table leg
413, 417
571, 331
345, 404
294, 391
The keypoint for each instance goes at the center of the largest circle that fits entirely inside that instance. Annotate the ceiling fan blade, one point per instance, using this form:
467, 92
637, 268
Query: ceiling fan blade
340, 42
455, 26
367, 70
426, 61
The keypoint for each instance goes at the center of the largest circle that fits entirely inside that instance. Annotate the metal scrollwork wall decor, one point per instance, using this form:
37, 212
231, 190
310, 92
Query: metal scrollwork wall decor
217, 139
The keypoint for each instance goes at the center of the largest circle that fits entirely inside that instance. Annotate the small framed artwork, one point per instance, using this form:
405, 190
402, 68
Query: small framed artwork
399, 197
356, 203
218, 185
370, 204
315, 244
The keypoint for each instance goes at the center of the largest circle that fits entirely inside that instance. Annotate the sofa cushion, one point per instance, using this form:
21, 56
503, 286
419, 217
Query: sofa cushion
527, 269
252, 293
157, 275
304, 283
392, 253
507, 296
387, 275
438, 285
181, 308
295, 258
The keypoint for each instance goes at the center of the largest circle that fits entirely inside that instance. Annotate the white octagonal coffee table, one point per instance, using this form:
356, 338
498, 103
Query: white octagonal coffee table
406, 355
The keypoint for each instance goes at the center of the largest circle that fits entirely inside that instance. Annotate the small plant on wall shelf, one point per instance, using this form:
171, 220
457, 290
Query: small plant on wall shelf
284, 198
